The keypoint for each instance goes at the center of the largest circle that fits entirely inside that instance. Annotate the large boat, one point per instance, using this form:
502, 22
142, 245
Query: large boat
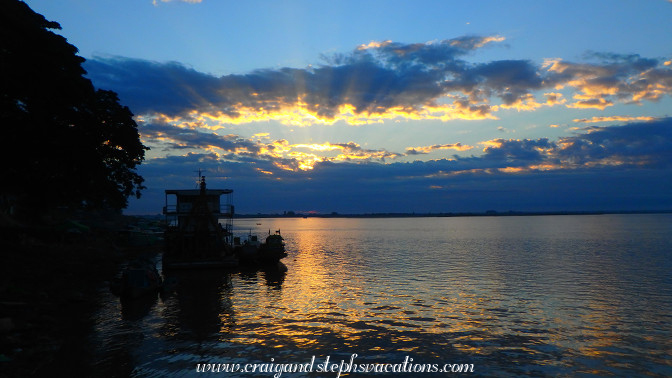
195, 237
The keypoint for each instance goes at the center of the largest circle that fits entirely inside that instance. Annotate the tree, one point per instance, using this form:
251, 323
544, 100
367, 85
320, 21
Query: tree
63, 142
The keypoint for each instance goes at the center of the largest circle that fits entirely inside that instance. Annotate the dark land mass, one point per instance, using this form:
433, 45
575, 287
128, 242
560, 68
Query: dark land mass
50, 278
489, 213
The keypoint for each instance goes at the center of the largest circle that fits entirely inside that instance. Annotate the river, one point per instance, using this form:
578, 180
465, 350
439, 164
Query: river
513, 296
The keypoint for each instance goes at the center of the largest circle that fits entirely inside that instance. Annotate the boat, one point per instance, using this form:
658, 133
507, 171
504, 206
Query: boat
273, 249
194, 237
253, 252
140, 278
246, 250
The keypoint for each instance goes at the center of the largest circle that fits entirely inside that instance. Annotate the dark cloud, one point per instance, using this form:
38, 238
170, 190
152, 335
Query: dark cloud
149, 87
281, 154
627, 78
433, 55
600, 168
180, 138
636, 145
378, 78
624, 167
518, 151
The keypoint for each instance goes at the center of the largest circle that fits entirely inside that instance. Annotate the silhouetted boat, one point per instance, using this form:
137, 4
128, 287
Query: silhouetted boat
271, 251
194, 236
253, 252
246, 250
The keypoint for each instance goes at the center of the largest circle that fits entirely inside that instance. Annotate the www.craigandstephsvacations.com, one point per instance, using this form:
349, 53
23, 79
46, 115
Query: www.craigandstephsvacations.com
407, 366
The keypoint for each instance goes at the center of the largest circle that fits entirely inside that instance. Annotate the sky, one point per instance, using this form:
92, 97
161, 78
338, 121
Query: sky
390, 106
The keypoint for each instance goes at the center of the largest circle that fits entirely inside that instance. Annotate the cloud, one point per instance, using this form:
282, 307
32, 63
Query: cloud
190, 138
160, 134
515, 152
510, 80
598, 168
626, 167
185, 116
633, 145
624, 78
428, 149
615, 119
384, 80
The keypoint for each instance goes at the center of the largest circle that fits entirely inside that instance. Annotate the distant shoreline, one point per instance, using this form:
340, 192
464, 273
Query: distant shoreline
490, 213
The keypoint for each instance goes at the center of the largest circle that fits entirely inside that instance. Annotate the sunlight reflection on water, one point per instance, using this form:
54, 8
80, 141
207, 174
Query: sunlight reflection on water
515, 295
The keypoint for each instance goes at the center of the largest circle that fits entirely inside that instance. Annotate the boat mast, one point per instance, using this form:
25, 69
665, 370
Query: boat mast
200, 178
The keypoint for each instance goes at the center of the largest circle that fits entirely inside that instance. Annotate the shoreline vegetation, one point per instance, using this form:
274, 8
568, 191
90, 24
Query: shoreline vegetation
52, 275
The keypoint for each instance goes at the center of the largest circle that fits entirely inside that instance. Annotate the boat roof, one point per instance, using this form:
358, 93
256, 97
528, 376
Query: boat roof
196, 192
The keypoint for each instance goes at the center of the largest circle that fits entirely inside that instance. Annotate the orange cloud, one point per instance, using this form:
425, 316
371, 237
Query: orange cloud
628, 79
496, 143
590, 103
529, 103
382, 81
428, 149
480, 43
297, 114
373, 45
615, 119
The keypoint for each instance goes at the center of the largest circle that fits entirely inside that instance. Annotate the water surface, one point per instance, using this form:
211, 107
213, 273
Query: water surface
525, 295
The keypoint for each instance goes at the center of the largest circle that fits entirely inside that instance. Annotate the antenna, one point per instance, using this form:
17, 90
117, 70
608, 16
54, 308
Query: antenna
202, 171
198, 180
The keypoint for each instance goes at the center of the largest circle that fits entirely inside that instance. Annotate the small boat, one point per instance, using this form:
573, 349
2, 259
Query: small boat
246, 250
273, 249
253, 252
138, 279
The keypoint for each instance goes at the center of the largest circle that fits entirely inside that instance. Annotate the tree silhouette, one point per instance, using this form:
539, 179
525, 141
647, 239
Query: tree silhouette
63, 142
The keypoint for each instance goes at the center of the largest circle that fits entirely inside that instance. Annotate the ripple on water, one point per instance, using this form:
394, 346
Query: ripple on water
512, 295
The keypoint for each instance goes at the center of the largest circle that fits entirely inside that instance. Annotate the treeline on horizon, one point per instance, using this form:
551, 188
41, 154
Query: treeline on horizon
488, 213
442, 214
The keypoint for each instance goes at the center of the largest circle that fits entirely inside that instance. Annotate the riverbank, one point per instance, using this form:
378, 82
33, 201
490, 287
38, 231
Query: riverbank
50, 280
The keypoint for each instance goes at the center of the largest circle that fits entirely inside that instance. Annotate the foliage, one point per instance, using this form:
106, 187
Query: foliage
63, 142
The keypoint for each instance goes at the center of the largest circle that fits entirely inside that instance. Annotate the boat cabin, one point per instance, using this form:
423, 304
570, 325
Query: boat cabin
199, 223
181, 204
